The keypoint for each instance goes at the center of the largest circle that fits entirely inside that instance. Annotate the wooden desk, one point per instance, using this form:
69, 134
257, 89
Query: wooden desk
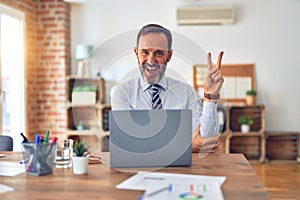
241, 181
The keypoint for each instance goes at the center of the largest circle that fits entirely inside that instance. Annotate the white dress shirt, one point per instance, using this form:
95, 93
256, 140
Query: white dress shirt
135, 94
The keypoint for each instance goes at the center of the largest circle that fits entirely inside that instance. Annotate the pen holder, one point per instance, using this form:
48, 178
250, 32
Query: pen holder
39, 158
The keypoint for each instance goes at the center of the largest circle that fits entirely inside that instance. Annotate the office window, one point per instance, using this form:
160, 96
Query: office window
12, 74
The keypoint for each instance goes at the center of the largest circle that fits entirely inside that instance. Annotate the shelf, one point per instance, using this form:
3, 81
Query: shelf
258, 144
251, 144
105, 117
256, 112
83, 132
244, 134
73, 81
90, 114
98, 106
283, 146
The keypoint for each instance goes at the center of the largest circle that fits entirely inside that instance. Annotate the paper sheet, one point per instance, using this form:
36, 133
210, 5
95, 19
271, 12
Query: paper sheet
11, 168
183, 185
5, 188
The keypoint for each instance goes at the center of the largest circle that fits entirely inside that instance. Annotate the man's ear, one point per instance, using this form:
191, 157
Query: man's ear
170, 55
136, 51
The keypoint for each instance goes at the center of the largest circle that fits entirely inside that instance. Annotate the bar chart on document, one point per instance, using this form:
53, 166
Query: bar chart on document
186, 191
175, 186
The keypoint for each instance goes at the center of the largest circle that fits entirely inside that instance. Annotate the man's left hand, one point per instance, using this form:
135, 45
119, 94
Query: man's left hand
204, 145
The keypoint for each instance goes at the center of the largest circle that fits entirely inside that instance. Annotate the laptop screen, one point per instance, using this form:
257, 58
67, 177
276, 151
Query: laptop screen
150, 138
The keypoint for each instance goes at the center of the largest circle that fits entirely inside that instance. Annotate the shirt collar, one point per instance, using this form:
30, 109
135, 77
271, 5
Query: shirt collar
162, 83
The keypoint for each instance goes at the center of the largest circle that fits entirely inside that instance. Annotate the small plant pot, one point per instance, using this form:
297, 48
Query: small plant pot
250, 100
245, 128
80, 164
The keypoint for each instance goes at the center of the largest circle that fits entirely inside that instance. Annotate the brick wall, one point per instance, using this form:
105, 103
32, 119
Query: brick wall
47, 59
53, 41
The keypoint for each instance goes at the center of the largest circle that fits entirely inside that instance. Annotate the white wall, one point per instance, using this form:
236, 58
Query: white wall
266, 32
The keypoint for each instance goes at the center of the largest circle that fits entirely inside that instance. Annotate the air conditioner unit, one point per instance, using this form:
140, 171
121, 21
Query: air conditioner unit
205, 15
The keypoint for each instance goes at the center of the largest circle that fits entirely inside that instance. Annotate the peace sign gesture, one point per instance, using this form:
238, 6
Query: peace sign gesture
214, 80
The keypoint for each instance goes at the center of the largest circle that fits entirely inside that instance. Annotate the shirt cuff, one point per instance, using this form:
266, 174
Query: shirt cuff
209, 108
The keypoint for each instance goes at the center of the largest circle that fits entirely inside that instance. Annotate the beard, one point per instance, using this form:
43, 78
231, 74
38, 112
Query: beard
146, 70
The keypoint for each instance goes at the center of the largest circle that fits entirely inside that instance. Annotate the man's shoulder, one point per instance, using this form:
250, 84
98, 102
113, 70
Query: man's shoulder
130, 83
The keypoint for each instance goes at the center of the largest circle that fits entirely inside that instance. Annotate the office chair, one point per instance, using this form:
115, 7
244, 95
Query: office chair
6, 143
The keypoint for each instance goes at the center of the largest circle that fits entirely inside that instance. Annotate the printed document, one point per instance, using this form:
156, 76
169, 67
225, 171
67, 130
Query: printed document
175, 186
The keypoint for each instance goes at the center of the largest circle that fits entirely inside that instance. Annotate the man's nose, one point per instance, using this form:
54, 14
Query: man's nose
151, 58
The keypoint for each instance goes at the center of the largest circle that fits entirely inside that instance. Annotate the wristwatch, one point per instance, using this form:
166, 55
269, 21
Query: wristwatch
212, 96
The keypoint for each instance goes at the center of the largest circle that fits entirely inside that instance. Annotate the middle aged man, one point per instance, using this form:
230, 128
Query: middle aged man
153, 52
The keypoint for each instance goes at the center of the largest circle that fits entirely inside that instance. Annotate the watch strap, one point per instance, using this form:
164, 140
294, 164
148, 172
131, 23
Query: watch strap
212, 96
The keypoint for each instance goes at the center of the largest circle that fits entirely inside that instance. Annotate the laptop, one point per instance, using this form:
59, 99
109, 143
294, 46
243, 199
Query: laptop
150, 138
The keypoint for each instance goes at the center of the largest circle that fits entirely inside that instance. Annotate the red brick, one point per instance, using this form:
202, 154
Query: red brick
43, 12
45, 19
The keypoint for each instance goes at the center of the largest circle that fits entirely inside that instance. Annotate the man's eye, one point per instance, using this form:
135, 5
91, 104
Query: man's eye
145, 52
159, 53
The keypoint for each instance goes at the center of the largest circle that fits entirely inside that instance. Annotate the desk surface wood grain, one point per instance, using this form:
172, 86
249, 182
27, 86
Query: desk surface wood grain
241, 181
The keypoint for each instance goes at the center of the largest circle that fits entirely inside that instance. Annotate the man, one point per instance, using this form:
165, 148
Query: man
153, 52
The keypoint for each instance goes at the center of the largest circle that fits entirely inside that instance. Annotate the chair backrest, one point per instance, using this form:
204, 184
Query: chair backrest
6, 143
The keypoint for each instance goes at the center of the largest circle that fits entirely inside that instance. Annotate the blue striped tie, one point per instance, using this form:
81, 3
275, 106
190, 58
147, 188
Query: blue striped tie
156, 101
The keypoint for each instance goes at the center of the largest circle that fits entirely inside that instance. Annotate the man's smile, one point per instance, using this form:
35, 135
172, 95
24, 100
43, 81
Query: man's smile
151, 70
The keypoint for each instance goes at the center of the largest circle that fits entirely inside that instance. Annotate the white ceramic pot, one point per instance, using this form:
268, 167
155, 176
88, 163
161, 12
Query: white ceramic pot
80, 164
245, 128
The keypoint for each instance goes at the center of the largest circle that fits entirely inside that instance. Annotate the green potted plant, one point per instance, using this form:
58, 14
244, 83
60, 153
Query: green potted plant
251, 97
245, 121
80, 158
